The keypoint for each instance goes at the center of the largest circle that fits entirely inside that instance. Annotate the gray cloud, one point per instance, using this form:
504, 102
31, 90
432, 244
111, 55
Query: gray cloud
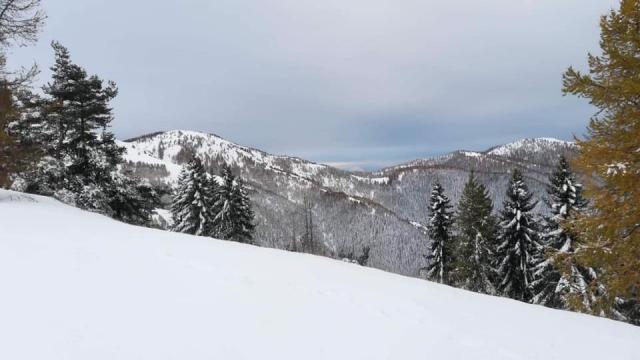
361, 82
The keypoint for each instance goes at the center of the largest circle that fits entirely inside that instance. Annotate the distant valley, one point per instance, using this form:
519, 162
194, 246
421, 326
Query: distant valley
383, 210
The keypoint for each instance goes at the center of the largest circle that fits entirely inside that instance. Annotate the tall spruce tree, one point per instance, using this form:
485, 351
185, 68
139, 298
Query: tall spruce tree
79, 106
519, 249
193, 206
552, 287
440, 260
476, 230
71, 126
234, 219
611, 152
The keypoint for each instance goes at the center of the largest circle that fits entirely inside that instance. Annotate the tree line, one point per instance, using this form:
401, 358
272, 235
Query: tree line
202, 206
586, 255
516, 253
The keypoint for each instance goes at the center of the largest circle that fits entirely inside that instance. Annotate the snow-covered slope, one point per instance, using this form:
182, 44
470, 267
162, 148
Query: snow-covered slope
528, 145
77, 285
167, 147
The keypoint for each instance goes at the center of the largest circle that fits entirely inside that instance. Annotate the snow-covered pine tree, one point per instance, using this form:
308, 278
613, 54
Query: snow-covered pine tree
79, 105
131, 200
243, 226
476, 233
46, 172
234, 219
519, 250
193, 207
552, 287
440, 260
71, 125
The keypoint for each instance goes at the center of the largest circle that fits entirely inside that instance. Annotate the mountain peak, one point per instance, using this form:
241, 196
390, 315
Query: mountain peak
529, 145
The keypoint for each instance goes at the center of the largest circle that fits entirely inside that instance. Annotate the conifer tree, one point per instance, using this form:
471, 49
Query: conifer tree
518, 251
611, 153
71, 126
131, 200
440, 260
234, 219
552, 288
476, 238
79, 106
193, 206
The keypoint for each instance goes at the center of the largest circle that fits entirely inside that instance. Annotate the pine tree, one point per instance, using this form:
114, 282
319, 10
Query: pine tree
78, 105
552, 287
611, 152
476, 238
71, 125
131, 200
518, 251
193, 206
243, 226
440, 260
234, 219
47, 174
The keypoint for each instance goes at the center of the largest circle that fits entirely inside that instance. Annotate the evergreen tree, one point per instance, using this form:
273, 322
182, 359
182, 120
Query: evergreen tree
234, 219
193, 207
611, 232
78, 104
476, 238
131, 200
552, 288
71, 126
440, 260
518, 251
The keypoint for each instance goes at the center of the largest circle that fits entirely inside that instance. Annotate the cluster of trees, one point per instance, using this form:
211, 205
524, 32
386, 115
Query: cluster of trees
610, 156
73, 154
203, 206
585, 256
59, 144
517, 253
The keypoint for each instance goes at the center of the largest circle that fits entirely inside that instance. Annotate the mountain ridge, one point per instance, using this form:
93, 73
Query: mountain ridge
498, 150
382, 210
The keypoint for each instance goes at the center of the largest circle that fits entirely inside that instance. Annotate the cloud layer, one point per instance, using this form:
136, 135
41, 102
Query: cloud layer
359, 82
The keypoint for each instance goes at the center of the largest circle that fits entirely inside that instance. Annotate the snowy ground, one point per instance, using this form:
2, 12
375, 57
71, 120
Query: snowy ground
76, 285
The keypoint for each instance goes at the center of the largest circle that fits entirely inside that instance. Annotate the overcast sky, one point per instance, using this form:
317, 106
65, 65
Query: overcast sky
354, 83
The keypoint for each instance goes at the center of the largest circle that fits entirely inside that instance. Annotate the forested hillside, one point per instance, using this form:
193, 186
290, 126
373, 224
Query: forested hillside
385, 211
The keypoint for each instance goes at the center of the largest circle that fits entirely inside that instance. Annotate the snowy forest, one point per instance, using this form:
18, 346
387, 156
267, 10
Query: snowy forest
541, 221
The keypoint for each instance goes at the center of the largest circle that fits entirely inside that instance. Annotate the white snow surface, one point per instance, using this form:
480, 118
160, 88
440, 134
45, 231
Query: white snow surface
77, 285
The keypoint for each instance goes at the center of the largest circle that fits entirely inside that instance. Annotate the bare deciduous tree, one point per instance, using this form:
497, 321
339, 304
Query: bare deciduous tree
20, 21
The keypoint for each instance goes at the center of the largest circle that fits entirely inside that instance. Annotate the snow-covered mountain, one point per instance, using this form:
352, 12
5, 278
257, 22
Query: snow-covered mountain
78, 285
381, 210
